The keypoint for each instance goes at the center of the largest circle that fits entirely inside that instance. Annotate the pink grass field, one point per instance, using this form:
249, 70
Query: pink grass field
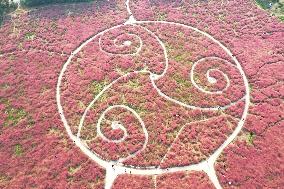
35, 149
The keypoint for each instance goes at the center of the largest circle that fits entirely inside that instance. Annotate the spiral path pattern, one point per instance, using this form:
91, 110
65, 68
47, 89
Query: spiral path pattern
112, 129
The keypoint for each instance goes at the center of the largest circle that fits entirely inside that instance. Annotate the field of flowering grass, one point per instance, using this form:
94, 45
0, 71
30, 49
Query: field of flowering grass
142, 95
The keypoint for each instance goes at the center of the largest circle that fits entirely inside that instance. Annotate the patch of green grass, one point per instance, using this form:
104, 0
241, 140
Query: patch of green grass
140, 110
4, 86
180, 80
54, 26
82, 105
180, 34
250, 87
96, 87
182, 57
31, 121
30, 36
14, 116
18, 150
20, 46
169, 47
73, 169
185, 82
54, 131
197, 79
222, 17
134, 84
123, 71
4, 101
11, 57
178, 58
250, 138
161, 16
4, 178
103, 98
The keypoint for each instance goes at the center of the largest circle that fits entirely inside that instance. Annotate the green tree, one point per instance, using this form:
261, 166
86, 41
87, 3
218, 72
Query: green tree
6, 6
30, 3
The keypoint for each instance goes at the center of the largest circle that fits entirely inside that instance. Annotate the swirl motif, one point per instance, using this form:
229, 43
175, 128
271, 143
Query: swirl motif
115, 126
121, 41
126, 40
211, 79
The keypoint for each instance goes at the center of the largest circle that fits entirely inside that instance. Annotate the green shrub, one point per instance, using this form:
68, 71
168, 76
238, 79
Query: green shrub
266, 4
31, 3
275, 7
5, 7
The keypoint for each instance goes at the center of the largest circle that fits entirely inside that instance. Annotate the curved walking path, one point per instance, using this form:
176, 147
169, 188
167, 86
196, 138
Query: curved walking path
115, 168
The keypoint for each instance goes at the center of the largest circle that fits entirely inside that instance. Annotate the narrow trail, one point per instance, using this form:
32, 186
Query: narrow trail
115, 168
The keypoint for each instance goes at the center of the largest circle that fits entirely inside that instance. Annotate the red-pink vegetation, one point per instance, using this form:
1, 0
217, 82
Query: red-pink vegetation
95, 66
255, 38
198, 140
178, 180
35, 151
163, 120
181, 180
186, 48
257, 163
114, 150
134, 182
